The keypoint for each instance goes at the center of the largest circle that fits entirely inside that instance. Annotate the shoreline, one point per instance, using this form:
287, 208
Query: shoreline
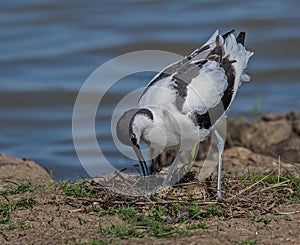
275, 137
260, 204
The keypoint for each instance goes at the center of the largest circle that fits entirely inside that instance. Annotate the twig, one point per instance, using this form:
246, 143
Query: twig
270, 187
287, 213
251, 186
126, 182
198, 201
77, 210
279, 168
4, 196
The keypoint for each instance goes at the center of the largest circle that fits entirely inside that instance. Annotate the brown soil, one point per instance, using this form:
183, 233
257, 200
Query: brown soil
253, 210
56, 218
15, 169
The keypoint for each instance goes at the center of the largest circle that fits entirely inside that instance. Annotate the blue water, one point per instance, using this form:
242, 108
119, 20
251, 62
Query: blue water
49, 48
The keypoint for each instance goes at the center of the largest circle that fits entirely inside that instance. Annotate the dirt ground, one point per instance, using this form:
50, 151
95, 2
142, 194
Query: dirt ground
260, 203
252, 211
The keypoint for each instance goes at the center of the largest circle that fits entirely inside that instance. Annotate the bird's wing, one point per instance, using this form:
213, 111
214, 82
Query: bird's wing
164, 78
203, 80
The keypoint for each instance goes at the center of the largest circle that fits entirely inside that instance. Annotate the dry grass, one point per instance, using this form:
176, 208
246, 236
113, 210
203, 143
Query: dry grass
85, 212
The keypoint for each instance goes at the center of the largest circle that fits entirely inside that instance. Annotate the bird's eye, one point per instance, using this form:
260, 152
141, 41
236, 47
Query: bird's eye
133, 139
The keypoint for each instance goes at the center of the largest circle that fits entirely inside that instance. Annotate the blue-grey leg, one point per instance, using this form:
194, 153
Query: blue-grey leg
220, 149
171, 169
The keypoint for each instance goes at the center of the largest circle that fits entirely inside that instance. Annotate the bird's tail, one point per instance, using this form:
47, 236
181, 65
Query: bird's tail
235, 49
227, 45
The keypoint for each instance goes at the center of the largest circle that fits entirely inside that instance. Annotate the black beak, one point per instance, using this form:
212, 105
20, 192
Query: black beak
142, 161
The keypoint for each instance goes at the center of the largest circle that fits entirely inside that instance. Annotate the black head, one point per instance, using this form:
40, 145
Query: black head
123, 128
129, 131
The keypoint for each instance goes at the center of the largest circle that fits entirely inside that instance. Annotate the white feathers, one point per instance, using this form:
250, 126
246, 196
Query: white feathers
245, 77
201, 89
237, 52
159, 94
185, 99
206, 89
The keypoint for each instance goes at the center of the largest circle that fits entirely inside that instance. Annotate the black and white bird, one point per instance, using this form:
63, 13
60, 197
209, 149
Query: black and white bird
183, 103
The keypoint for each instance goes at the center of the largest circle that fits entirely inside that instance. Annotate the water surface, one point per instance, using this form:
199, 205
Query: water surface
49, 48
